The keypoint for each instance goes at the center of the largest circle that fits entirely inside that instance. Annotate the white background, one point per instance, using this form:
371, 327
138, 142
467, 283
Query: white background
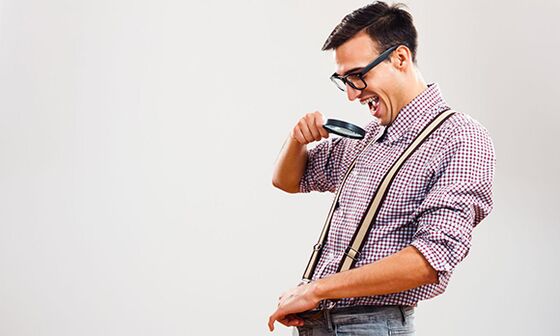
137, 141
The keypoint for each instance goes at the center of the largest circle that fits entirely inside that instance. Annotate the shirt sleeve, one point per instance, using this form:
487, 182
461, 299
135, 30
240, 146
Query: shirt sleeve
459, 199
323, 170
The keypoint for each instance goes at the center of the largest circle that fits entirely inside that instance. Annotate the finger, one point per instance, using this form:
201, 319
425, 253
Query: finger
298, 135
319, 117
305, 131
285, 322
274, 317
292, 321
313, 127
319, 123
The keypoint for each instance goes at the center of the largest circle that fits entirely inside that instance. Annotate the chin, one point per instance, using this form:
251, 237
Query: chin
382, 120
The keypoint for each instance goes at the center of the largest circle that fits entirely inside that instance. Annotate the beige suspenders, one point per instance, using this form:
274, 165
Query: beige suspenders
358, 240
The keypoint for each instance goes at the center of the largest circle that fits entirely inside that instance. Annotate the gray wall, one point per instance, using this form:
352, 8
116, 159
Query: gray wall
137, 140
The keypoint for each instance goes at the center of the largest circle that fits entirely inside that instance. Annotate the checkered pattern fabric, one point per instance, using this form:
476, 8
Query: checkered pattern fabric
440, 194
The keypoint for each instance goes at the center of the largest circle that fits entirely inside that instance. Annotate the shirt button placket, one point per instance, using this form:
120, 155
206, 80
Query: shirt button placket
340, 211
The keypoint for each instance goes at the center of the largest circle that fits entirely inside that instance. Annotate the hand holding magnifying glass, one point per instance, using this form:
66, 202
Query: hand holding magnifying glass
313, 127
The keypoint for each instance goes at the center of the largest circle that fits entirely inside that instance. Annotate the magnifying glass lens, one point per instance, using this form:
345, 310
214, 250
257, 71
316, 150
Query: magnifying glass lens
344, 129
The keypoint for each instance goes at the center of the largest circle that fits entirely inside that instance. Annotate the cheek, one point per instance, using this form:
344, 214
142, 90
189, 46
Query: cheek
373, 89
385, 101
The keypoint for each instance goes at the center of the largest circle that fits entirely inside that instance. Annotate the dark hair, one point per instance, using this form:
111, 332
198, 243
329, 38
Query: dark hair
388, 25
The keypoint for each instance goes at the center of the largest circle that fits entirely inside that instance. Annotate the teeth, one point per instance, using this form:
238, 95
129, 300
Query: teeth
372, 100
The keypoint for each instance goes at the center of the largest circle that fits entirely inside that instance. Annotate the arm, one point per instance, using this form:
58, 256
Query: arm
403, 270
293, 156
290, 166
458, 201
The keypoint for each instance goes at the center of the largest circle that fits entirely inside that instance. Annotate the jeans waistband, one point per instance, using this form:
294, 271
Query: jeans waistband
331, 319
313, 314
330, 316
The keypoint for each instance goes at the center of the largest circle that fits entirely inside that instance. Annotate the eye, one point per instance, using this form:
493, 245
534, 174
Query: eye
354, 78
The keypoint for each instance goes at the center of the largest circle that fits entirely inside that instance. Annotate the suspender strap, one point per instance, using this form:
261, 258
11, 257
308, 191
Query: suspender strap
353, 251
351, 256
317, 248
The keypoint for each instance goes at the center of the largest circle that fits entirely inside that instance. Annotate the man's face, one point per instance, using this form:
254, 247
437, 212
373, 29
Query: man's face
383, 81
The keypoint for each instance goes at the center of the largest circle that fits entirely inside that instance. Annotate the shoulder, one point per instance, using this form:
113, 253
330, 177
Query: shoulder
462, 142
464, 128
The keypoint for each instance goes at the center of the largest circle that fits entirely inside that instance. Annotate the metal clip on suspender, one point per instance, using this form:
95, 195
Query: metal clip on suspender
352, 253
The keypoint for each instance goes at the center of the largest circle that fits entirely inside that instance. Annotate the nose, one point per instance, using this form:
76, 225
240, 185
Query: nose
352, 93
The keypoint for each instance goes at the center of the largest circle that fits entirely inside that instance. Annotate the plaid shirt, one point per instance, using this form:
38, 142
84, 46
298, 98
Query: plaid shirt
440, 194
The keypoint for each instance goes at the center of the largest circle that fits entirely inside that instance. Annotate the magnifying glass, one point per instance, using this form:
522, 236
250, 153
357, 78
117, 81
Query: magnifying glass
344, 129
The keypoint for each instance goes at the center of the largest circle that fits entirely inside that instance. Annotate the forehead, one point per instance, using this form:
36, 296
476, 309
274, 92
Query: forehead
357, 52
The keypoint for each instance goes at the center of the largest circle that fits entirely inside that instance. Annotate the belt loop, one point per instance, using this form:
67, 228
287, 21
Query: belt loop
328, 319
401, 308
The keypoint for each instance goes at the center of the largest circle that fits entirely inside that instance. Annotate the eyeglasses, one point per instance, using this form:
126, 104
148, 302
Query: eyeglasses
356, 80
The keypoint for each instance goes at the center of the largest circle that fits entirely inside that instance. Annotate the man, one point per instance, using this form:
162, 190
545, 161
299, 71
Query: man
423, 228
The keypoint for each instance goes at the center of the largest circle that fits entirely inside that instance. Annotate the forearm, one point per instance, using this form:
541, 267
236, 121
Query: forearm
290, 166
401, 271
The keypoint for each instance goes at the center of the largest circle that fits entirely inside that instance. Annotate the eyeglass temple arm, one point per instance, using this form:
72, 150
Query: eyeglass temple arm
379, 59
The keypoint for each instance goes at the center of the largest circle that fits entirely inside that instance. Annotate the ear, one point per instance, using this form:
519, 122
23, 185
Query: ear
401, 58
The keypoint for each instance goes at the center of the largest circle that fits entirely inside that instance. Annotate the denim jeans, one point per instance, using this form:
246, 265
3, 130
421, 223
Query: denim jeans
360, 321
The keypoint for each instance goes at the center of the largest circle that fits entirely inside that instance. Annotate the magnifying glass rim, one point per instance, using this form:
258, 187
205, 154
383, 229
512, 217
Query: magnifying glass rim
359, 132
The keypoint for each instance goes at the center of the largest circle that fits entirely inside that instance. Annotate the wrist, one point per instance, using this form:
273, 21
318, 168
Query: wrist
318, 290
292, 139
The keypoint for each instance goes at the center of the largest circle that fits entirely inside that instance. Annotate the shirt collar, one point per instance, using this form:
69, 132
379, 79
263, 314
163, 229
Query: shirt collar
415, 114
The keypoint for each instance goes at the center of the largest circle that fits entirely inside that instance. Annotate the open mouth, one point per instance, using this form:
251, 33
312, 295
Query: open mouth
373, 104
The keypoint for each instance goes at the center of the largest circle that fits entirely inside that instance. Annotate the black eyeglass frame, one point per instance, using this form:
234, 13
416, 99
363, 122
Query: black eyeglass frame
362, 72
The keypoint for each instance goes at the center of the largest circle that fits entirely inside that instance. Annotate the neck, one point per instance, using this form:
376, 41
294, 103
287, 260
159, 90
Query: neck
415, 86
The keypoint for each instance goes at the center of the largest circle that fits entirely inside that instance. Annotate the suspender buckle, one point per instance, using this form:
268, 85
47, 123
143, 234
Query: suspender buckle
352, 254
317, 247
